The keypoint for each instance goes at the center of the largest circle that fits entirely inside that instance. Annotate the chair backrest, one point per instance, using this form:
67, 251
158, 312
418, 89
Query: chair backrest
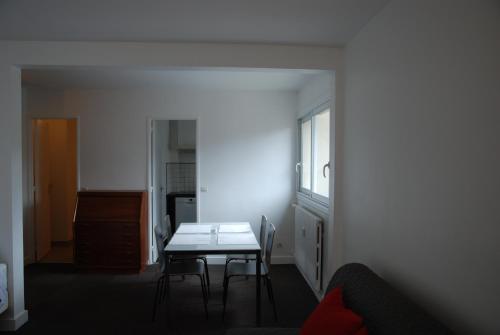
160, 246
167, 229
262, 237
165, 226
271, 230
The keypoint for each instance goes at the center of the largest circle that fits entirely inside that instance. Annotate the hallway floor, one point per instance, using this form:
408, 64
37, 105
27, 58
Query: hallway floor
60, 252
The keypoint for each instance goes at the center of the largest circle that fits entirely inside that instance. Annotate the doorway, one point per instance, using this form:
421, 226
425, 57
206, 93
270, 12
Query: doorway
173, 174
54, 188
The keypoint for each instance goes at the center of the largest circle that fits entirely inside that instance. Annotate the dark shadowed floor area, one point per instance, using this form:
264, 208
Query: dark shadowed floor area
61, 301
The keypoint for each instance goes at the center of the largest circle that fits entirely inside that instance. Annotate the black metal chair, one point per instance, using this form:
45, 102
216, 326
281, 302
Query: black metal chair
238, 269
248, 257
167, 231
189, 267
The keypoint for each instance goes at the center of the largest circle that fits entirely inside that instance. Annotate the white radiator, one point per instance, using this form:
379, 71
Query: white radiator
309, 245
4, 298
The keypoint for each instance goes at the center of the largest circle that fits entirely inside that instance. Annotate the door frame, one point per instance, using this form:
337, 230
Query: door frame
149, 175
30, 170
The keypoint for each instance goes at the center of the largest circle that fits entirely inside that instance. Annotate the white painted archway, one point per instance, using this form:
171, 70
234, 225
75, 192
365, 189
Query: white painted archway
17, 55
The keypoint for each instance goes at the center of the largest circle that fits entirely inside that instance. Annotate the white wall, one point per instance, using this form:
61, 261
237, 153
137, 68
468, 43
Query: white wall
11, 215
420, 182
247, 148
316, 91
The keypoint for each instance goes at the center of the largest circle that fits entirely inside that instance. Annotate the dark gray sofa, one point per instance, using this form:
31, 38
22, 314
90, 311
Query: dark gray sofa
385, 311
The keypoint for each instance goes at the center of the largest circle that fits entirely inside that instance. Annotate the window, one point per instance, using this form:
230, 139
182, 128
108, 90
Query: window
314, 165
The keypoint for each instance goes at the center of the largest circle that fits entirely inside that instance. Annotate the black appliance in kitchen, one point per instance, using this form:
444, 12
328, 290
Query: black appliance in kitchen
181, 196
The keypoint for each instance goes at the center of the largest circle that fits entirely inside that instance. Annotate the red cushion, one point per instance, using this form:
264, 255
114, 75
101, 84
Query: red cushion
362, 331
332, 317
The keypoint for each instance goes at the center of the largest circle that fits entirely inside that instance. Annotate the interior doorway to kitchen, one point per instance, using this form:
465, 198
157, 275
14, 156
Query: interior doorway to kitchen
54, 180
173, 174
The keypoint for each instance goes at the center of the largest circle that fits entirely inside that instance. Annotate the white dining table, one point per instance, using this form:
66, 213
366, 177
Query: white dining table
217, 238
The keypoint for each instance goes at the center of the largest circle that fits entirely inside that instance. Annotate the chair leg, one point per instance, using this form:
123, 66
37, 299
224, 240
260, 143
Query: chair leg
161, 291
164, 291
204, 293
224, 296
271, 297
207, 275
225, 271
224, 281
205, 287
157, 300
246, 261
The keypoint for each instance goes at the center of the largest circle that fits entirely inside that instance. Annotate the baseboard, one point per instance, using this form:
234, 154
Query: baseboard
221, 259
283, 259
15, 323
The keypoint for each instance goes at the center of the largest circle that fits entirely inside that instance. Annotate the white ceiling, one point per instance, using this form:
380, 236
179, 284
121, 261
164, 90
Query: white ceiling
306, 22
195, 79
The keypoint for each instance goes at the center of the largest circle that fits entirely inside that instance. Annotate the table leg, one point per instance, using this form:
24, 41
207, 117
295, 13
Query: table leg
167, 285
257, 270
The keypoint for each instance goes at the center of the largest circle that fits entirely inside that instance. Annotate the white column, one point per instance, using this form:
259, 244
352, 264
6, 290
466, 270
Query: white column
11, 224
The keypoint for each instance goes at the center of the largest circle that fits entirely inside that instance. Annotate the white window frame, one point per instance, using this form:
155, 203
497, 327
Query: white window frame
303, 192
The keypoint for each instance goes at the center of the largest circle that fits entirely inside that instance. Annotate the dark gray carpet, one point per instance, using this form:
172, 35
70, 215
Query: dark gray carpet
61, 301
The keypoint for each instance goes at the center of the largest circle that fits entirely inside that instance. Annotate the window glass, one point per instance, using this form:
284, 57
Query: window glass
314, 173
305, 170
321, 140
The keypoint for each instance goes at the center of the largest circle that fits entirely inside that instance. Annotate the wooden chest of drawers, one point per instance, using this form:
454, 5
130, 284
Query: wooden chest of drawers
110, 231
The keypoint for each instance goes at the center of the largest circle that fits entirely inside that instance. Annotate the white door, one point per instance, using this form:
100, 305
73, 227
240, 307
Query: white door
153, 200
159, 140
41, 178
159, 144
